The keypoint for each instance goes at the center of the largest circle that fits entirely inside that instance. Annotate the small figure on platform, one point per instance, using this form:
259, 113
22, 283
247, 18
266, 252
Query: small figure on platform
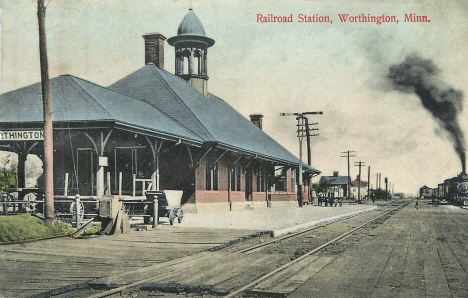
417, 204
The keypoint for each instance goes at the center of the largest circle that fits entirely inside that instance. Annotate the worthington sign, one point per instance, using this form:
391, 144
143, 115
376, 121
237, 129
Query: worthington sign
22, 135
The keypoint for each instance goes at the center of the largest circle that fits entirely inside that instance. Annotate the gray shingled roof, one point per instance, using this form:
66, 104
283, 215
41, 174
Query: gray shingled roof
77, 100
148, 84
150, 100
209, 117
335, 180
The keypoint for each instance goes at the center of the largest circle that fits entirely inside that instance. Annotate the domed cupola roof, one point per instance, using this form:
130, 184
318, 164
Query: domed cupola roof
191, 33
191, 25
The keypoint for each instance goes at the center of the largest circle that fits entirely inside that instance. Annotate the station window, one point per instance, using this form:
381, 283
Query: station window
279, 181
294, 180
211, 176
235, 177
262, 179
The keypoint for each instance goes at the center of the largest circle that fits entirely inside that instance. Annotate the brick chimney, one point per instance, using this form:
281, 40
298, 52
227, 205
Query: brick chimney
154, 49
256, 119
335, 174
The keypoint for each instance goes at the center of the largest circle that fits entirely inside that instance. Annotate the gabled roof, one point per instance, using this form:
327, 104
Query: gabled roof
77, 100
356, 183
210, 118
335, 180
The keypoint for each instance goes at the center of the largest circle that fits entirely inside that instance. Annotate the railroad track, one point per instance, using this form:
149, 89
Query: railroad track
299, 259
246, 251
281, 239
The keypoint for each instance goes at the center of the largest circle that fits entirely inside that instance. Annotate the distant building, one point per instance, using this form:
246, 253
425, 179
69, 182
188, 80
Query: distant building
338, 182
441, 190
399, 195
425, 192
355, 185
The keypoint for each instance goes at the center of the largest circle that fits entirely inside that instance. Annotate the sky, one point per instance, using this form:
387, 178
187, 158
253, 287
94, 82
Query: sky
270, 68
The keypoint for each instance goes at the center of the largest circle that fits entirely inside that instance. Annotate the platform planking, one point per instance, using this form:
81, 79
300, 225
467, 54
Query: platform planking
38, 267
433, 269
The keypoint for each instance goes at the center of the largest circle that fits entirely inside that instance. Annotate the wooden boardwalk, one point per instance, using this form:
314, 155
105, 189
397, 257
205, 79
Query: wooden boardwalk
416, 253
35, 268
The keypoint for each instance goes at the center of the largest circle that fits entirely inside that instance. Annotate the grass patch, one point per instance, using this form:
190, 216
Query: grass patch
26, 227
92, 231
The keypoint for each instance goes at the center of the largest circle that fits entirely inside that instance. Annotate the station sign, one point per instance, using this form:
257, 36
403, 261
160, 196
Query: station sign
22, 135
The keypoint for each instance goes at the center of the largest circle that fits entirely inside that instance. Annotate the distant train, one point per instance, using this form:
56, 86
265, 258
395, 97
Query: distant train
455, 190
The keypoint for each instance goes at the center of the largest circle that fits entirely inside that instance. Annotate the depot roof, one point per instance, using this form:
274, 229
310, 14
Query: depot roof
77, 100
151, 101
210, 118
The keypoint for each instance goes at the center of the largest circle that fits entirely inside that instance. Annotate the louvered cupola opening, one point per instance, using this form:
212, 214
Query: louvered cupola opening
191, 48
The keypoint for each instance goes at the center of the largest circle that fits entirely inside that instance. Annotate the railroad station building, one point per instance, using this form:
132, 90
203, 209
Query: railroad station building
154, 130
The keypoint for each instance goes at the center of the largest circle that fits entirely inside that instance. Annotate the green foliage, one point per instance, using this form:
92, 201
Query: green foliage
8, 179
8, 172
380, 194
321, 186
26, 227
92, 231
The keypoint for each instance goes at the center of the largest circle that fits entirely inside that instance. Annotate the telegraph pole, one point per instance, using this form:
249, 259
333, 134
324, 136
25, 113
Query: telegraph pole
368, 182
359, 164
301, 131
308, 136
376, 181
309, 153
47, 111
349, 177
386, 188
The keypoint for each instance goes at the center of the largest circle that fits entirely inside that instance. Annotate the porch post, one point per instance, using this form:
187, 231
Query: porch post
21, 169
102, 160
157, 171
100, 177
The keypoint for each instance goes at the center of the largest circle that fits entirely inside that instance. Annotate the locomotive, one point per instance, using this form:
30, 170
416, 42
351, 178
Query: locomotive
456, 190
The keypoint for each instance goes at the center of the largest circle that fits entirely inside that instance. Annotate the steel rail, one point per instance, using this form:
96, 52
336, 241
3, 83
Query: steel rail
342, 236
150, 279
251, 249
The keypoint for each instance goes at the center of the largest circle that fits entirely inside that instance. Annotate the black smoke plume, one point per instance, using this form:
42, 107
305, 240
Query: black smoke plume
419, 76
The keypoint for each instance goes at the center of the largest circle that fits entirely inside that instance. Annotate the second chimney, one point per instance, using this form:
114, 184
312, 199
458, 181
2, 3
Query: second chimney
154, 49
256, 119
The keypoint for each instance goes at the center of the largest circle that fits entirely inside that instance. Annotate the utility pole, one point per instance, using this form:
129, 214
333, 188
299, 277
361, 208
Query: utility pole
386, 188
308, 136
368, 182
301, 131
47, 111
349, 177
309, 153
376, 180
359, 164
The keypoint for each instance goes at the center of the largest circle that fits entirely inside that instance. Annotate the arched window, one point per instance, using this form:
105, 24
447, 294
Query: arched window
198, 61
185, 54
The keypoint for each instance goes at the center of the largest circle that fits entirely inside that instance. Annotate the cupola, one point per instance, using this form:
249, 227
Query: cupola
191, 47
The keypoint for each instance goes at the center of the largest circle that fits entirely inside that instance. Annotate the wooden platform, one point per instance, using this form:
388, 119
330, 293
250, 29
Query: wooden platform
39, 267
